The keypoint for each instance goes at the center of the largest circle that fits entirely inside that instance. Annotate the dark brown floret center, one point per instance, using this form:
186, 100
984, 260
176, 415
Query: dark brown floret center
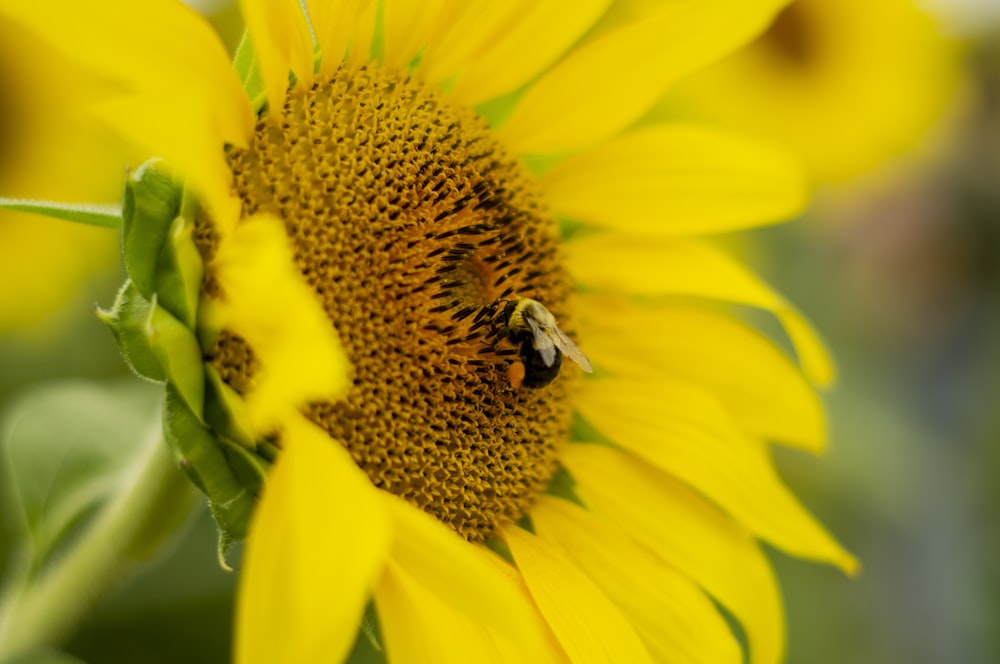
414, 228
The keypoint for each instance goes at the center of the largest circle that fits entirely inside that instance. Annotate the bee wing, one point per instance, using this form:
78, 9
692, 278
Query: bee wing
544, 343
570, 349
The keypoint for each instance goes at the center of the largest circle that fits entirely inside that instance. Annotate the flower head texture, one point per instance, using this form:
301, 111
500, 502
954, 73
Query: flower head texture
407, 232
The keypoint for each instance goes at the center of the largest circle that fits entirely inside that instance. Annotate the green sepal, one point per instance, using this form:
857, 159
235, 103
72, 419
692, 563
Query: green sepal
250, 469
247, 68
178, 279
200, 454
152, 200
90, 214
225, 410
178, 351
128, 319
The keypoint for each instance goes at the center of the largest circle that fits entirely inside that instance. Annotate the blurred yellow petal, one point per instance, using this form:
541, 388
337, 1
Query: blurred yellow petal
687, 532
674, 617
456, 572
340, 25
267, 302
543, 31
765, 392
155, 50
303, 586
688, 434
648, 266
281, 41
408, 25
677, 180
51, 147
608, 83
360, 49
194, 151
587, 624
70, 253
828, 82
463, 33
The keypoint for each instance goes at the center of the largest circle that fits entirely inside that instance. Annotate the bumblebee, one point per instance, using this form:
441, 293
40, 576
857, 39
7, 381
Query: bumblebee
532, 328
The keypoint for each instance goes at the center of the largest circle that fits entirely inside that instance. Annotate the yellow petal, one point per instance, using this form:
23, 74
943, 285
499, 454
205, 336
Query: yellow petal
408, 25
588, 625
419, 628
340, 24
269, 304
644, 266
194, 151
456, 572
281, 42
677, 180
53, 149
317, 543
72, 254
608, 83
155, 48
360, 50
674, 617
157, 75
765, 392
688, 533
691, 436
540, 34
462, 32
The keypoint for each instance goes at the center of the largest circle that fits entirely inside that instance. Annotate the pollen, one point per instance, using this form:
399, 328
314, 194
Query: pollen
415, 228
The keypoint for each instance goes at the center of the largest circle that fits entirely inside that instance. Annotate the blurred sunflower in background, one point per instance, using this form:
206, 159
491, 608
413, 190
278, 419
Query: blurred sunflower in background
49, 151
367, 311
847, 85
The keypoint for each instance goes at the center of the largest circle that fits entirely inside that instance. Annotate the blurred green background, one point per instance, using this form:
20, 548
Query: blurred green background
897, 262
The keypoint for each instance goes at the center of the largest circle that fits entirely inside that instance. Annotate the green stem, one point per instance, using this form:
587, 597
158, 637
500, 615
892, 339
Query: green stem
154, 501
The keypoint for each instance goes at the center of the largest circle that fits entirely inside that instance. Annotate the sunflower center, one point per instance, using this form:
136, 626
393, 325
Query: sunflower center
416, 229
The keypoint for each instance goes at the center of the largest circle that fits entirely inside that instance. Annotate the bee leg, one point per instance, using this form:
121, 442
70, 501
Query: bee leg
516, 373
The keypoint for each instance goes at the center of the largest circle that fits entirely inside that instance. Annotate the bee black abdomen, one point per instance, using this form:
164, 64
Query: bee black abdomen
536, 373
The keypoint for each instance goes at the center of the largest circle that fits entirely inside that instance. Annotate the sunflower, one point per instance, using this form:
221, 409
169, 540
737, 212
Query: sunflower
397, 220
832, 83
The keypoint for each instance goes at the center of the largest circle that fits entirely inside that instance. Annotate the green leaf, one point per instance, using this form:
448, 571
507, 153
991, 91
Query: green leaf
247, 68
106, 216
65, 447
152, 200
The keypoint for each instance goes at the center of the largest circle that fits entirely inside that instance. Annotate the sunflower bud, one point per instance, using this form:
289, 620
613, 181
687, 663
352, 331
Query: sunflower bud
155, 322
